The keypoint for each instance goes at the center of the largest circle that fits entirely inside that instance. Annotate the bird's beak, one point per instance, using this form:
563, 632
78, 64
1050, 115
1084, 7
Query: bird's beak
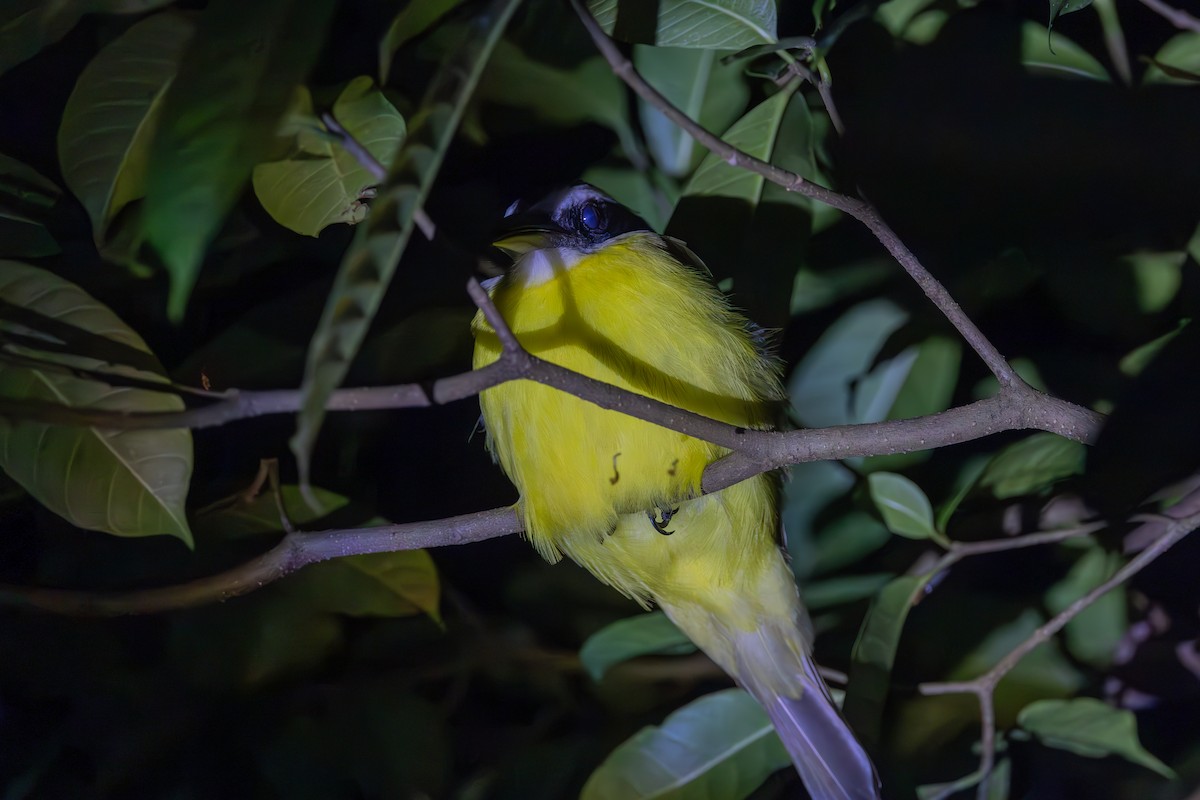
522, 232
519, 242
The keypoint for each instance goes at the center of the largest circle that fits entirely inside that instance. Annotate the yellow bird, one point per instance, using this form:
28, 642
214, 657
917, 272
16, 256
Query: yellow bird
593, 289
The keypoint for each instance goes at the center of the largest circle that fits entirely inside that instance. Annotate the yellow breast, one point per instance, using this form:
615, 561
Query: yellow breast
631, 316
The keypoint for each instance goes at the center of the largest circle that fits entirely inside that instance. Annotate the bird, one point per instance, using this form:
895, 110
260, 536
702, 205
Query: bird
594, 289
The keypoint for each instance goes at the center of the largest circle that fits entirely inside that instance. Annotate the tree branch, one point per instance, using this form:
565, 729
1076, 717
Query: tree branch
354, 147
861, 210
294, 551
753, 452
1016, 406
984, 686
1177, 17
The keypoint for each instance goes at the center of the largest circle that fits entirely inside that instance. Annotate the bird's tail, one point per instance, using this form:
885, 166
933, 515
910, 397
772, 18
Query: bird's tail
773, 663
830, 760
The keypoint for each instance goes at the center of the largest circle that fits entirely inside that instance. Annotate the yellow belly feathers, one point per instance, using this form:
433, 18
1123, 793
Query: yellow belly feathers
588, 476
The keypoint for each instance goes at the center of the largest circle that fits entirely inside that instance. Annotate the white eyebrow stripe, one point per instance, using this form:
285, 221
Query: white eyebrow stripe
575, 197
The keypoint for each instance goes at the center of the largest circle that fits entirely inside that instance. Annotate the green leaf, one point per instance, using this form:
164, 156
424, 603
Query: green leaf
1000, 781
1032, 464
874, 652
845, 589
1060, 7
1087, 727
111, 116
392, 584
753, 231
899, 14
589, 92
1066, 60
715, 24
371, 260
397, 584
321, 183
1136, 360
808, 489
218, 118
1157, 277
905, 508
1045, 671
29, 26
695, 82
966, 480
26, 203
876, 392
1181, 53
748, 229
238, 517
928, 388
998, 784
913, 21
646, 634
392, 741
755, 133
721, 745
813, 290
821, 387
410, 22
1093, 635
261, 638
847, 540
124, 482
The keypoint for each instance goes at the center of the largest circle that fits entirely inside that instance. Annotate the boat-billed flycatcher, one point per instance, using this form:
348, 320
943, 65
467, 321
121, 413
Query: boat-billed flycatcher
593, 289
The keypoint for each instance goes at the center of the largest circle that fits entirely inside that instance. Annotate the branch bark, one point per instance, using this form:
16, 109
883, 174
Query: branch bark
1016, 406
753, 452
1170, 531
294, 551
1176, 16
861, 210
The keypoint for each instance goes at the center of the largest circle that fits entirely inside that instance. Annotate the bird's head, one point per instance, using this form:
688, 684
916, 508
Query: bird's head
579, 219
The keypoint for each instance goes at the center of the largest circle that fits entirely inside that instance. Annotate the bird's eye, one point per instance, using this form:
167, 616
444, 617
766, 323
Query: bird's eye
591, 217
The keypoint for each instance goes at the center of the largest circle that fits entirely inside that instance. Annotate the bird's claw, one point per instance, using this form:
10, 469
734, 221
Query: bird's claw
660, 518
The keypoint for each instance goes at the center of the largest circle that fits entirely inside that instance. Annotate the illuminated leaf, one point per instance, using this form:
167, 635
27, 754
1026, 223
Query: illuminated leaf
1088, 727
646, 634
219, 115
721, 745
322, 182
716, 24
111, 116
905, 508
124, 482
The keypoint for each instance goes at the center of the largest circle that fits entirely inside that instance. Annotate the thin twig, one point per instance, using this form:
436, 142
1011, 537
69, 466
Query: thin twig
823, 90
960, 550
111, 377
1177, 17
984, 686
355, 148
294, 551
1114, 39
755, 451
508, 340
371, 164
864, 212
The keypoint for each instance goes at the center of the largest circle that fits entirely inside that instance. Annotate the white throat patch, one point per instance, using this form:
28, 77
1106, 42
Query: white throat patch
538, 266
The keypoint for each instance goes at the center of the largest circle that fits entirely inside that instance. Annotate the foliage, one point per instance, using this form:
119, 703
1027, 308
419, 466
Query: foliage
174, 210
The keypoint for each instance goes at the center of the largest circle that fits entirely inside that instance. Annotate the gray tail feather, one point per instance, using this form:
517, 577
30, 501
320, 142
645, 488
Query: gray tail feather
830, 760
